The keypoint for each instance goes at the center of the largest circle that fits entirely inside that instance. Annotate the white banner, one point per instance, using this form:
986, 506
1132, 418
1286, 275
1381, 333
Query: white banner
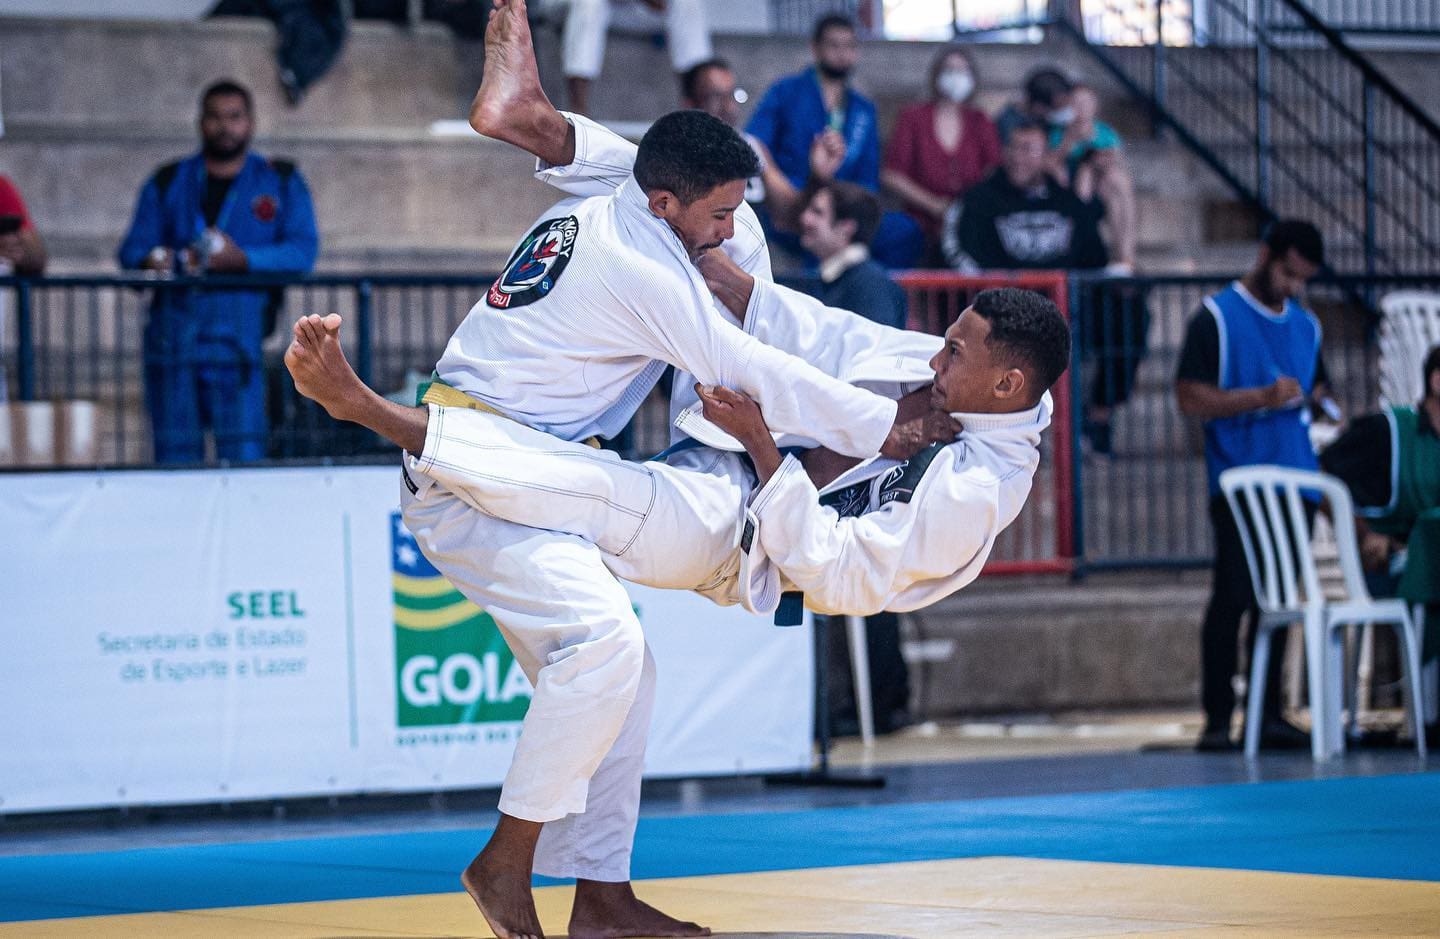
222, 635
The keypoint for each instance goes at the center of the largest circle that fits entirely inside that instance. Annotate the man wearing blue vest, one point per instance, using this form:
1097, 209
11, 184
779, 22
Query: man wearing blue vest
1249, 367
223, 210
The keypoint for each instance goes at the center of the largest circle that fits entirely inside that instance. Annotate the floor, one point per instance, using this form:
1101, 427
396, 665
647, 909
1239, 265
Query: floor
1007, 829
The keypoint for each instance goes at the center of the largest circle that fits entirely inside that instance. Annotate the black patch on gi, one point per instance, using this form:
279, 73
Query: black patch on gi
898, 484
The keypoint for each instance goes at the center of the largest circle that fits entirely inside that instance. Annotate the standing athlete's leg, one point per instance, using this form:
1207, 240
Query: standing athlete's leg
575, 634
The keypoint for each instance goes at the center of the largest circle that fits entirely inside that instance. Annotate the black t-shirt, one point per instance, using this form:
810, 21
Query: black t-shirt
1360, 457
1200, 353
216, 189
1003, 227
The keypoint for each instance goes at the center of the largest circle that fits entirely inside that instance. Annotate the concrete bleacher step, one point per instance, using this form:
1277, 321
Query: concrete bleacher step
395, 190
389, 195
149, 74
1049, 643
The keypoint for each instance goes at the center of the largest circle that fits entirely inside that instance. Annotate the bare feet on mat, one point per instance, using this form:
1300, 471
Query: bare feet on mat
318, 365
501, 890
612, 911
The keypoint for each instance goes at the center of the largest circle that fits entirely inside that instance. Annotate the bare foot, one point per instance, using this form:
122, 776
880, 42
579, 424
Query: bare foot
510, 105
612, 911
510, 89
502, 893
318, 365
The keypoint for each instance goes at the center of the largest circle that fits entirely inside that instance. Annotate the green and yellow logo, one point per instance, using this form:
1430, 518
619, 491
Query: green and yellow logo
451, 663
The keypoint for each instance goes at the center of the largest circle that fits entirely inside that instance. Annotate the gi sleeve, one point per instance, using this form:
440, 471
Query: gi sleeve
836, 341
863, 564
603, 160
296, 241
678, 324
147, 227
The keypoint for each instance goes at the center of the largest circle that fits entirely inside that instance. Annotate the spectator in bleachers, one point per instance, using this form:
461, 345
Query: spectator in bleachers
838, 222
1391, 463
1046, 100
801, 107
1088, 141
1249, 367
711, 87
1022, 217
942, 147
21, 250
587, 22
224, 210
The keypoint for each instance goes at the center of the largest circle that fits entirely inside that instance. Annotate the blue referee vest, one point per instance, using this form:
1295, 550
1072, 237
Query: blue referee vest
1256, 348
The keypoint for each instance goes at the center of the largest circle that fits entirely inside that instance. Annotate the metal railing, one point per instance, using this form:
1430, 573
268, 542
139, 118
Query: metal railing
1295, 121
79, 339
1144, 504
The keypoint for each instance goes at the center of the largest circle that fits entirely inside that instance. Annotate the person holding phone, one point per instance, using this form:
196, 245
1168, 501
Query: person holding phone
21, 249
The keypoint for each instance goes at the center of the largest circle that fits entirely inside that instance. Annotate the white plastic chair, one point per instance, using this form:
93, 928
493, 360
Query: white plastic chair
1287, 588
1409, 328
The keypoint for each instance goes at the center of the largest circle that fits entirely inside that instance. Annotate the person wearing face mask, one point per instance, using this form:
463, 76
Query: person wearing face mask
800, 108
1047, 100
942, 147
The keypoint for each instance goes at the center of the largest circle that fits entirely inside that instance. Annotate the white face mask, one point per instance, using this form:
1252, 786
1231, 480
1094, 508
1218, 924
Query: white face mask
1063, 117
955, 84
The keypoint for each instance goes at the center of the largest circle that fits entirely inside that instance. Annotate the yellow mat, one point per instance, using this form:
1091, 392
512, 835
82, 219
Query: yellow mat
969, 897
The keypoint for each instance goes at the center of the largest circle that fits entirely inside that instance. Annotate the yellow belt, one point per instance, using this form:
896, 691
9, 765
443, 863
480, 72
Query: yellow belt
436, 391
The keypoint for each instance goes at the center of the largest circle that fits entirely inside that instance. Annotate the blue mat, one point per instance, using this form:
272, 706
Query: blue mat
1383, 826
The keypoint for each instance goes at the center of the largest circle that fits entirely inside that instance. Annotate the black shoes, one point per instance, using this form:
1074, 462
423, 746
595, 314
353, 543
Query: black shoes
1275, 734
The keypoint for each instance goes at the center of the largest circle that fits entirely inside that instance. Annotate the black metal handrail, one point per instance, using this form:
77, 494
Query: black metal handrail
1295, 121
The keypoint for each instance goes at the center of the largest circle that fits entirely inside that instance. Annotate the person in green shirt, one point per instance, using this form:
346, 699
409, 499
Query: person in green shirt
1391, 463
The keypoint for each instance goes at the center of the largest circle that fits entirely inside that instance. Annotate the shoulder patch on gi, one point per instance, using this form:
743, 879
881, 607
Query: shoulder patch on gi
536, 265
896, 485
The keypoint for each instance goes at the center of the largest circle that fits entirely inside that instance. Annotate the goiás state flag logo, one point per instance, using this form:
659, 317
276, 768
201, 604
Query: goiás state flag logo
452, 666
536, 265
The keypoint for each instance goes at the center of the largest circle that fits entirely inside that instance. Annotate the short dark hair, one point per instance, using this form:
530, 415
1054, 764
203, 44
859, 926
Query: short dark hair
227, 87
690, 81
689, 153
1027, 326
1432, 365
1044, 85
828, 22
851, 203
1295, 234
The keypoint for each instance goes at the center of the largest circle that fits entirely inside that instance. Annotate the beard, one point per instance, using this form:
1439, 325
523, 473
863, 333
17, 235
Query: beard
224, 149
831, 72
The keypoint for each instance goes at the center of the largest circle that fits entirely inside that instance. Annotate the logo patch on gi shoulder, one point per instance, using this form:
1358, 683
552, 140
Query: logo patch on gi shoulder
264, 208
536, 265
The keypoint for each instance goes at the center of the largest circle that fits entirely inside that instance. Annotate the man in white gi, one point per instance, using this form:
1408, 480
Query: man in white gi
572, 336
856, 536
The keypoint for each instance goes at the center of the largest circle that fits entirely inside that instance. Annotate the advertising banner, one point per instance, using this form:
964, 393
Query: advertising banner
196, 636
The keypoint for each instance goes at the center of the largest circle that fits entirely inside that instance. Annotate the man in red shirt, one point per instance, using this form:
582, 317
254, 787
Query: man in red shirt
20, 244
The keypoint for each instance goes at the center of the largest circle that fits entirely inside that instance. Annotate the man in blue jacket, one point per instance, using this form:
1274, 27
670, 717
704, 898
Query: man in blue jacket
801, 107
223, 210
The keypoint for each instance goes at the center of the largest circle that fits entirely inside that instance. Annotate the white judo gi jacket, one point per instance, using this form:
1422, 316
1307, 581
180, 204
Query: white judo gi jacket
593, 304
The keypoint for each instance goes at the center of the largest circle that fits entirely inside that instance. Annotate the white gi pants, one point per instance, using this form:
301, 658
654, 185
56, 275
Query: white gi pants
588, 20
574, 633
654, 524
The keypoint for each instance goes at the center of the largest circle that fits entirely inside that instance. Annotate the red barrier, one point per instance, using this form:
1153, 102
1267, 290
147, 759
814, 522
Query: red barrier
1042, 538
